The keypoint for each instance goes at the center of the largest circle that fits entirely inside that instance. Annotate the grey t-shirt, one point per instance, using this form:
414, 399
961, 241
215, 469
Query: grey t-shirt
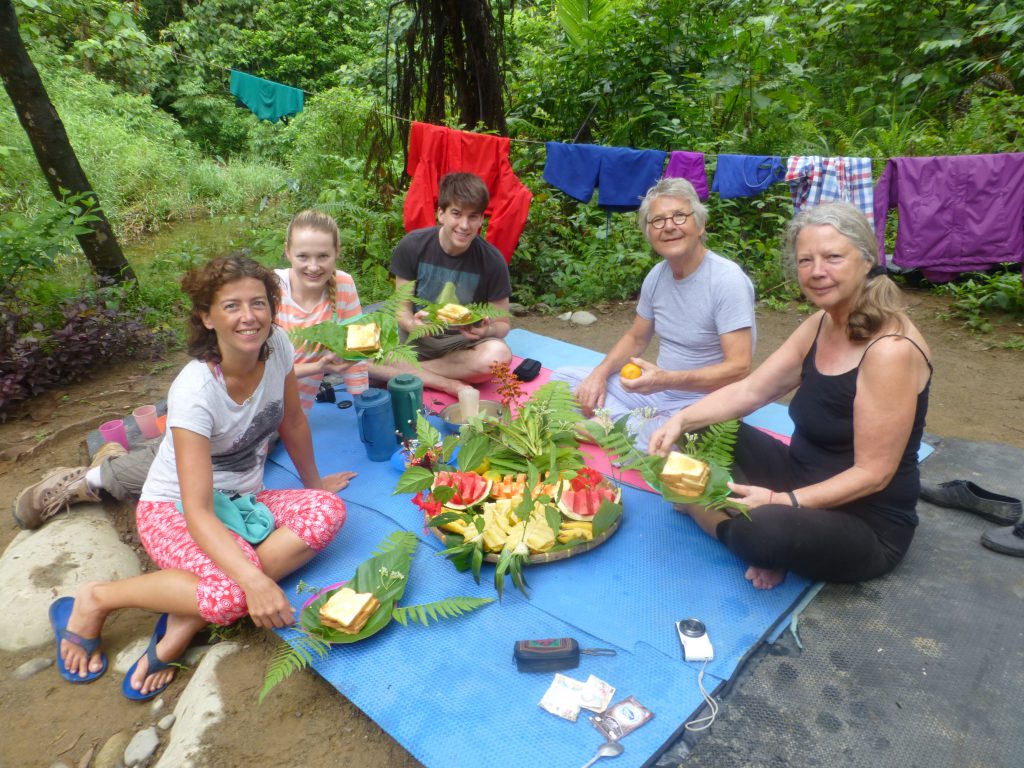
199, 402
691, 314
478, 275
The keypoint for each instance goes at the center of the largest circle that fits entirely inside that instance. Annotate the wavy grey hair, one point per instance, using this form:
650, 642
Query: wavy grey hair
679, 188
844, 218
880, 301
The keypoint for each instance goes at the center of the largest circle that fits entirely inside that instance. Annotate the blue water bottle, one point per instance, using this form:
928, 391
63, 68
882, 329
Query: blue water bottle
376, 423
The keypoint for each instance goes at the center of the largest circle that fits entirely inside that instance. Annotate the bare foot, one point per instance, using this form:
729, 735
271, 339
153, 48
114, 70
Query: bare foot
86, 620
763, 578
180, 631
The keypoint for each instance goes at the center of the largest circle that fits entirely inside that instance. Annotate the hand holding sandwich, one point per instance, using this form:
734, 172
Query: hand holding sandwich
476, 331
754, 496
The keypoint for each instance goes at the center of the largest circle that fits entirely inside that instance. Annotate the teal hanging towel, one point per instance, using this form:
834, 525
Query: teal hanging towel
250, 519
267, 100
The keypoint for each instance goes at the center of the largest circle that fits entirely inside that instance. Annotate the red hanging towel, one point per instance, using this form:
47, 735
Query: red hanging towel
435, 150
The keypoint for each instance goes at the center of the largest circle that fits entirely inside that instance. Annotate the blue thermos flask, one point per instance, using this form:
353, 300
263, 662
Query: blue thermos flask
376, 423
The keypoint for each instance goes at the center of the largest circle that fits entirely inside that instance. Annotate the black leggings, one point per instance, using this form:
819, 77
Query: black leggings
821, 544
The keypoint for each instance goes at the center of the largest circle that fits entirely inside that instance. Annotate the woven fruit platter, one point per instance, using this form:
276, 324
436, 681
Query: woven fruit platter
517, 492
494, 512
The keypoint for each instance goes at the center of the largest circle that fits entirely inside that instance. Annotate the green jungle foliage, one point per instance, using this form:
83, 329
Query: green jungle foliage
143, 92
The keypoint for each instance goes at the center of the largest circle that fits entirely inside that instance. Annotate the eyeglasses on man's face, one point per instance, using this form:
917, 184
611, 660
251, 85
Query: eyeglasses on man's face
679, 218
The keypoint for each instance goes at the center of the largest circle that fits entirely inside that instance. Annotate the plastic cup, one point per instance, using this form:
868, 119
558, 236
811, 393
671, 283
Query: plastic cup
113, 432
145, 418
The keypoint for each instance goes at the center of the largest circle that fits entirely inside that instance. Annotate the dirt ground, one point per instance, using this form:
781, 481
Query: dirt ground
977, 394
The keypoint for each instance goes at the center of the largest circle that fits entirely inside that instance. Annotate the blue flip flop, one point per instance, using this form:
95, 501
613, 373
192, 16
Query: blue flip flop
60, 612
155, 665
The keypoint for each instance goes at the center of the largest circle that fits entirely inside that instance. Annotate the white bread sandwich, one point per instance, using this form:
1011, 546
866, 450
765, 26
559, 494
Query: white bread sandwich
454, 313
363, 338
685, 475
348, 610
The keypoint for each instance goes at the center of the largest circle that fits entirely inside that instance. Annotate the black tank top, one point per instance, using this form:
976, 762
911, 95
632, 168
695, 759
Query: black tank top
822, 445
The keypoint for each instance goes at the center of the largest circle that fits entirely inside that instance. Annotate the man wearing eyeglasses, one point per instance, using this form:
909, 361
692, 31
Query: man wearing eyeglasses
700, 305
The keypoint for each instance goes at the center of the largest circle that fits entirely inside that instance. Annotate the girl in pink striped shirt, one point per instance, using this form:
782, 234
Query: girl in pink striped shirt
313, 291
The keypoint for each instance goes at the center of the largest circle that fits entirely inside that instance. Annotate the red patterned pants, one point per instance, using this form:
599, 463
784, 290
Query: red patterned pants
314, 516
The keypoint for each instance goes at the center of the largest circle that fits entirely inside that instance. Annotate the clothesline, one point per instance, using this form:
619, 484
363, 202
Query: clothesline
922, 189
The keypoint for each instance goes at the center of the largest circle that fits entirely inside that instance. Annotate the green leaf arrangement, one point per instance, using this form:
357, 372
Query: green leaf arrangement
542, 433
539, 439
385, 574
714, 446
334, 334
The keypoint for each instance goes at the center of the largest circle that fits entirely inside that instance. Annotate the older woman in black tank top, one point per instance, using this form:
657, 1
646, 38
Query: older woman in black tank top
839, 503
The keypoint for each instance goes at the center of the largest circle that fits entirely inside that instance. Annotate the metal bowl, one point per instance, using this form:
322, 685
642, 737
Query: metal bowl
452, 415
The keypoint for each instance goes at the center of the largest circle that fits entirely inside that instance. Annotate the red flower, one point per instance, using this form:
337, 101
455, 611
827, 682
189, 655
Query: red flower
427, 504
586, 477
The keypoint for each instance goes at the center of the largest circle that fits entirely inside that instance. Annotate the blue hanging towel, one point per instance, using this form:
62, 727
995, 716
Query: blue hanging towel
267, 100
747, 175
573, 168
622, 175
626, 175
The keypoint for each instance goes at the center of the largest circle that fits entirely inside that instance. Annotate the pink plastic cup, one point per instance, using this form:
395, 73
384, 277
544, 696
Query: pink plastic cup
145, 417
113, 432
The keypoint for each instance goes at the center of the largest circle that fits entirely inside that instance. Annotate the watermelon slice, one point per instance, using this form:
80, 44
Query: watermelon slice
470, 488
583, 504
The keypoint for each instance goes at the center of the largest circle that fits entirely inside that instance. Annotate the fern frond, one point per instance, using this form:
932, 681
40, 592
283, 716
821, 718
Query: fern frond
404, 353
442, 609
484, 309
404, 294
717, 443
290, 658
405, 541
427, 329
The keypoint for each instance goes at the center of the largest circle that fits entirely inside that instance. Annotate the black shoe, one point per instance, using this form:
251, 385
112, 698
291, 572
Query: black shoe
1008, 540
963, 494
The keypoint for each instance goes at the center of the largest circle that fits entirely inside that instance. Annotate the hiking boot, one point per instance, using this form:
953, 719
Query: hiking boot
963, 494
1008, 540
58, 490
107, 450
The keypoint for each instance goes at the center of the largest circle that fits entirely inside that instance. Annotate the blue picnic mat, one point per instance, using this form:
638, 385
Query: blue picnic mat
625, 594
451, 694
659, 566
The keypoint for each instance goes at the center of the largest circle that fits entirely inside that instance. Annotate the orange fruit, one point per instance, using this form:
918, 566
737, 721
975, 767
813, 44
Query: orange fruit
631, 371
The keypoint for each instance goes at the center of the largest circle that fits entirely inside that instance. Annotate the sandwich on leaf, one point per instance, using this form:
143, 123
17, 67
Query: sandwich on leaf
454, 314
685, 475
348, 610
362, 337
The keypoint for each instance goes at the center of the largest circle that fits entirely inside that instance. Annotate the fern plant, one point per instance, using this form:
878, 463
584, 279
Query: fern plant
385, 575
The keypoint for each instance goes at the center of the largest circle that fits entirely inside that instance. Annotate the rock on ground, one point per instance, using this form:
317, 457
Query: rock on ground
31, 667
110, 753
199, 707
141, 747
582, 317
54, 560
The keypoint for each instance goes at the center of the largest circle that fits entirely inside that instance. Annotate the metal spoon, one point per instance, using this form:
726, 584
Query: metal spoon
608, 749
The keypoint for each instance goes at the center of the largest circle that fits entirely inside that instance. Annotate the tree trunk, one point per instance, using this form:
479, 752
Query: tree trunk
51, 146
